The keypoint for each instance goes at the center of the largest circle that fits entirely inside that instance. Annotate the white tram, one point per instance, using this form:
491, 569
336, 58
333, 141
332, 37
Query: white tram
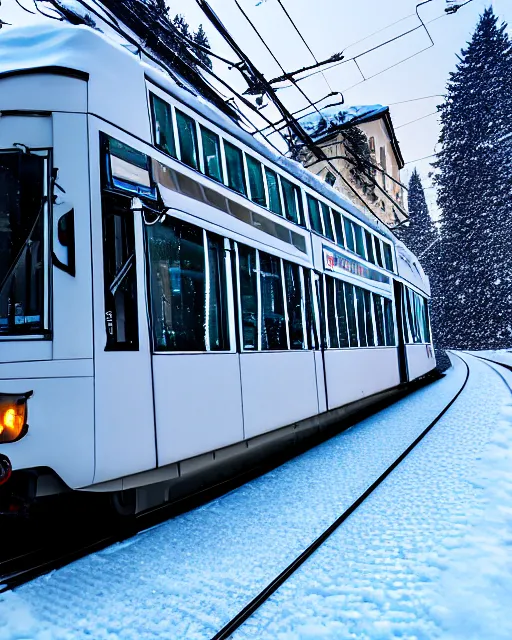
174, 296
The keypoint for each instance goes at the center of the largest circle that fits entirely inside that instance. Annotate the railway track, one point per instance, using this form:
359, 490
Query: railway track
245, 613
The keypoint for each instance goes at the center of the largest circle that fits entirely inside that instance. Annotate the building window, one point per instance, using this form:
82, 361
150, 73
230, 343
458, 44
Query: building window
187, 136
211, 154
371, 144
330, 178
235, 168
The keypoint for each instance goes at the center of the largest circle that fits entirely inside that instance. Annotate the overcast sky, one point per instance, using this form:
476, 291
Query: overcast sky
331, 26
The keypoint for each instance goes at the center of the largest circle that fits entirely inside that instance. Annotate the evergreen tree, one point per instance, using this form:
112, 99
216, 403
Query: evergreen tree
202, 40
420, 234
474, 178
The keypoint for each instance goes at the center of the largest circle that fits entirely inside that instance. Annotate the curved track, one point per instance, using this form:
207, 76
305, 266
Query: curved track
265, 593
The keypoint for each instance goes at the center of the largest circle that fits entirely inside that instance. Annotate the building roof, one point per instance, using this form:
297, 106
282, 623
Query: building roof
332, 120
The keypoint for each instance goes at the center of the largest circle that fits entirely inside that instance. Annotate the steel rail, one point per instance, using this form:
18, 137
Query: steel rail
272, 587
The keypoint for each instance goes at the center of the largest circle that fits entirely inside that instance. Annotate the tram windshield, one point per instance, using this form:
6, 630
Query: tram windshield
22, 178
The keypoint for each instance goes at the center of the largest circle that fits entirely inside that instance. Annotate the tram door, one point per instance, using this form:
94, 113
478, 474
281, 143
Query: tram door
399, 306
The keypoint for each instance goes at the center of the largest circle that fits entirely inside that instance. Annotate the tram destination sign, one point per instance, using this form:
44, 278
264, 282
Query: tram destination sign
338, 263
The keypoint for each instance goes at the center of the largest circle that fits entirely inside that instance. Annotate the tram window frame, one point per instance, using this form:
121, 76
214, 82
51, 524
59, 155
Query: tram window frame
370, 255
273, 330
119, 274
330, 313
168, 129
187, 293
327, 222
350, 305
212, 137
235, 168
248, 297
369, 319
361, 316
359, 240
378, 252
315, 217
274, 195
389, 323
388, 256
378, 312
293, 281
350, 238
292, 201
311, 316
338, 228
254, 170
188, 142
341, 310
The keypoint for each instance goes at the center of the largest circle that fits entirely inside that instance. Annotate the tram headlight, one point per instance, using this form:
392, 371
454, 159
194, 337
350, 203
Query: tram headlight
13, 417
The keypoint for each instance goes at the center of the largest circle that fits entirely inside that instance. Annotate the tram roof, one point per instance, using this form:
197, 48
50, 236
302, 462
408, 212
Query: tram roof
110, 66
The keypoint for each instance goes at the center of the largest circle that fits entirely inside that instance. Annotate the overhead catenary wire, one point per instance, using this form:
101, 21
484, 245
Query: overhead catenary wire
428, 115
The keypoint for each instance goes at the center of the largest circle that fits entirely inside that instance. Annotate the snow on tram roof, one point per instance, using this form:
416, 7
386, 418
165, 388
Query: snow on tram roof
110, 67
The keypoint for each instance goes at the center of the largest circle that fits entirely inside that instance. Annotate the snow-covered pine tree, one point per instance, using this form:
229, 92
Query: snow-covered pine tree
419, 235
474, 180
201, 38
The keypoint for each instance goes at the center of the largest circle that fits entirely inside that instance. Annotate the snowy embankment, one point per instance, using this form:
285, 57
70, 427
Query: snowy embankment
500, 355
389, 571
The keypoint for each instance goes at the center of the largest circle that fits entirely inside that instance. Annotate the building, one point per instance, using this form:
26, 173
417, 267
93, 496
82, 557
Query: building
363, 148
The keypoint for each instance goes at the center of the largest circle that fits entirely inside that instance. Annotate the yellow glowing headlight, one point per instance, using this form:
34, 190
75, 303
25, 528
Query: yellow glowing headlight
13, 417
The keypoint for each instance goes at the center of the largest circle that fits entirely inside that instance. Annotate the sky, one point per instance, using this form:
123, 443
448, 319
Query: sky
411, 88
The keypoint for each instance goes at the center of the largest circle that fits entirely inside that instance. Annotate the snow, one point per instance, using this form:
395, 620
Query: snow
328, 120
498, 355
390, 570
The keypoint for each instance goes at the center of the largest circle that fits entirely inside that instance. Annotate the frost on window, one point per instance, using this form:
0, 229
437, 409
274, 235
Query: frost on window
22, 264
188, 296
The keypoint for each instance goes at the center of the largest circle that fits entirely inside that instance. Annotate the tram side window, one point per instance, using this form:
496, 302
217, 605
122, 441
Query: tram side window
248, 296
389, 323
388, 256
211, 154
294, 305
330, 303
358, 232
162, 125
351, 314
292, 202
326, 217
314, 214
187, 288
235, 167
342, 314
369, 246
273, 192
378, 253
349, 234
187, 136
273, 327
361, 320
255, 171
370, 336
338, 226
379, 319
120, 276
311, 328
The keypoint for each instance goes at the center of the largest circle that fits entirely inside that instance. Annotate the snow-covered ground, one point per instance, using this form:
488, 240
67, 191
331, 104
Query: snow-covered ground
417, 560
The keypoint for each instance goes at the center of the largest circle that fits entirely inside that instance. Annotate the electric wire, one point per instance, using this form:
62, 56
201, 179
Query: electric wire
405, 124
18, 2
